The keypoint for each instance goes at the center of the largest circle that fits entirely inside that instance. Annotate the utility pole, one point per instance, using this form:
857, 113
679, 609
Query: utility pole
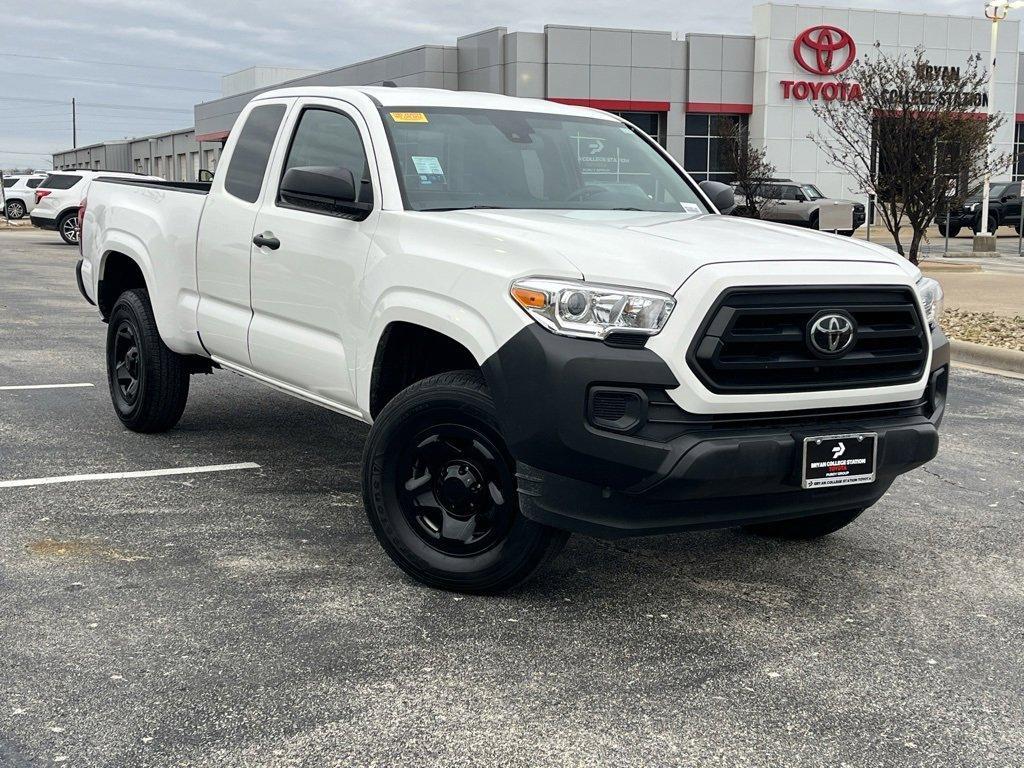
74, 126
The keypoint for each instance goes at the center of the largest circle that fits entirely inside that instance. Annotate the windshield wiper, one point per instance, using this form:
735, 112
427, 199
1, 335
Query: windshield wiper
468, 208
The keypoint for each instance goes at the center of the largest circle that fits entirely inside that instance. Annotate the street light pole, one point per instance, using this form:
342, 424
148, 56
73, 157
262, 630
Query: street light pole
995, 11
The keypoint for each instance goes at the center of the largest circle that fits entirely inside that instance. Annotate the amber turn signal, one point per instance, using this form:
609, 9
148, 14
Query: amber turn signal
530, 299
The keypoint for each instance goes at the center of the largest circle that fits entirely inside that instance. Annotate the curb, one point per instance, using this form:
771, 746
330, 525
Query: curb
927, 265
985, 356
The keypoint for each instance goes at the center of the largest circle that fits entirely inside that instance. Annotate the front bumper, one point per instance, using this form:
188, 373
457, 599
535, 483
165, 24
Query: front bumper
677, 471
42, 222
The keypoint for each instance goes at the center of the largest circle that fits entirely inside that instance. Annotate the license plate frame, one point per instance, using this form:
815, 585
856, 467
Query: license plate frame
835, 471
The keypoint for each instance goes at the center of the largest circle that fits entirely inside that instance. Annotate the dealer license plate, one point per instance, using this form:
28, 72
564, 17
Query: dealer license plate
832, 460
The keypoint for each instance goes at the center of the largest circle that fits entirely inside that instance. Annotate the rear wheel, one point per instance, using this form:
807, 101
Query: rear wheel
148, 381
440, 490
68, 227
15, 209
803, 528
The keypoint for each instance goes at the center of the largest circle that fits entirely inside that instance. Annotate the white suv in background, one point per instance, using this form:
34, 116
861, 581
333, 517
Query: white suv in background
57, 199
19, 194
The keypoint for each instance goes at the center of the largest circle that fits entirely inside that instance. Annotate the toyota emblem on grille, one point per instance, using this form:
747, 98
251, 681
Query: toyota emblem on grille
831, 334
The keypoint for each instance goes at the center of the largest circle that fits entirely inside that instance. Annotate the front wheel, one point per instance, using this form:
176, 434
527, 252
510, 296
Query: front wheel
440, 490
68, 228
148, 381
15, 209
952, 231
804, 528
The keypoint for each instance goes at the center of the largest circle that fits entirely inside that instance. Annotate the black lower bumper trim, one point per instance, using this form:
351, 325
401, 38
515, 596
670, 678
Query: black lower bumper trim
721, 482
39, 221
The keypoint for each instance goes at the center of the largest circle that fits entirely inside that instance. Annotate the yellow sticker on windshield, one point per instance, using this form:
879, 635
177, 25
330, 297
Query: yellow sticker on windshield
409, 117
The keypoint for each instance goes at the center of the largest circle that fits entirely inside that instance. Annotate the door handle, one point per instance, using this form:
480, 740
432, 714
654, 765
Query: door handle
267, 240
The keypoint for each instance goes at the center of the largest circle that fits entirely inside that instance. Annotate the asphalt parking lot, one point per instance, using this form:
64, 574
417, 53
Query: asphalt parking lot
249, 618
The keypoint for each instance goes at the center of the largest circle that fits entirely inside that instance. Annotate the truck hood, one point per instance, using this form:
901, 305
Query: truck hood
661, 250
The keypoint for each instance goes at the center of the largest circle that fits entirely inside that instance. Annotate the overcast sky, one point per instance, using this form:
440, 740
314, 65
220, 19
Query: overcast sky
211, 37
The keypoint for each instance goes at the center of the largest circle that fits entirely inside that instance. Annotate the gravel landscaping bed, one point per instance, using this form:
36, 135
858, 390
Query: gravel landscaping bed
985, 328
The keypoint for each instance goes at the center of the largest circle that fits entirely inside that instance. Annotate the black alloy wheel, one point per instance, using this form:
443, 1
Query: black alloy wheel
440, 491
127, 370
148, 382
457, 490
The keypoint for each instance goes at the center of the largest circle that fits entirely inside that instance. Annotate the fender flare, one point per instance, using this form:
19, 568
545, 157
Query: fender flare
443, 314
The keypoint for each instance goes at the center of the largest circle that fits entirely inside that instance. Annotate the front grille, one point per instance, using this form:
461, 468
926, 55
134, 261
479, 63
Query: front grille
754, 340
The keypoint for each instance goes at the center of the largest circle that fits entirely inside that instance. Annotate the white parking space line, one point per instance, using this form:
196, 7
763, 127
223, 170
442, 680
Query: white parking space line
126, 475
44, 386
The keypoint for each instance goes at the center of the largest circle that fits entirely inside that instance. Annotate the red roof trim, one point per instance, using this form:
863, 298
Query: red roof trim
616, 105
215, 136
719, 109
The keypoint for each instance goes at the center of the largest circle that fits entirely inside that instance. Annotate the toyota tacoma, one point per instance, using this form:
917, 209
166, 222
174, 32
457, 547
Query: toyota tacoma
547, 323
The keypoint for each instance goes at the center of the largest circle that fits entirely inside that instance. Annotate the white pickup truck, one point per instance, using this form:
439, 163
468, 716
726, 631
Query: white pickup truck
545, 320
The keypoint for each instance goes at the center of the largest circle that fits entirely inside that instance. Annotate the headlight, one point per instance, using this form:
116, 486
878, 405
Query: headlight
931, 296
973, 207
585, 310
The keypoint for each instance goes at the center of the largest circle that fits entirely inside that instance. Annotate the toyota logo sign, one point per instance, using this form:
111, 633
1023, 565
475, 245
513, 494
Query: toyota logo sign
831, 334
832, 50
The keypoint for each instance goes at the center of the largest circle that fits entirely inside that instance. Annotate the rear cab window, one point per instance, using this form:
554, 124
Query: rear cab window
248, 164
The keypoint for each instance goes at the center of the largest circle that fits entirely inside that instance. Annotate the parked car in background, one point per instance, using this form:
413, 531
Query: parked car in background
58, 196
1003, 210
791, 202
19, 193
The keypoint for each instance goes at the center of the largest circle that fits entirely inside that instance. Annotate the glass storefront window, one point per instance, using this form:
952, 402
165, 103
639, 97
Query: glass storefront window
704, 149
651, 123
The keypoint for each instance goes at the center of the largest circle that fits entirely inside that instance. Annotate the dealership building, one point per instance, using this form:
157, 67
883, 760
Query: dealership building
678, 87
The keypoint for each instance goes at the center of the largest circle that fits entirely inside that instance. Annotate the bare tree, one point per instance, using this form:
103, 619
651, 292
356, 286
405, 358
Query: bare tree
752, 172
913, 135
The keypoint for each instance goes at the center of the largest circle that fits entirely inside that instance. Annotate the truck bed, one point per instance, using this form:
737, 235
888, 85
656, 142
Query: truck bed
193, 187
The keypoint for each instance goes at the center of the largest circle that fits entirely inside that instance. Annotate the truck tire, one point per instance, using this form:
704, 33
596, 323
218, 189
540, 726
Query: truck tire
954, 230
148, 382
440, 490
805, 528
67, 225
15, 209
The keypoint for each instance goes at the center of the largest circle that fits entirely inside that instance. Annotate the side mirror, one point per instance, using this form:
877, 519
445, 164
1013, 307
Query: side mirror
722, 195
329, 184
205, 175
326, 189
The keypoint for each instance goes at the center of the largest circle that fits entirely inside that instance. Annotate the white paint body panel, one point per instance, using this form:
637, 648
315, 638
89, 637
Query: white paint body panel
307, 318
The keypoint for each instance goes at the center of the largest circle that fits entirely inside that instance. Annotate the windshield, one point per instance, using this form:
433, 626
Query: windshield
811, 192
996, 190
450, 159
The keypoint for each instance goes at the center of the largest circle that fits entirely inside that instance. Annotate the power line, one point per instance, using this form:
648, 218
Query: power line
96, 104
110, 63
114, 82
27, 154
